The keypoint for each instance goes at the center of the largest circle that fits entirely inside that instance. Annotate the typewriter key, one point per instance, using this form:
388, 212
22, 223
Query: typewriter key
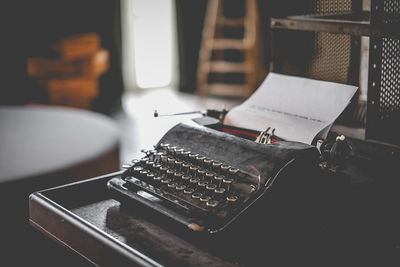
199, 160
218, 179
212, 203
172, 185
185, 168
135, 162
210, 189
149, 164
201, 174
157, 157
192, 157
188, 191
209, 177
164, 146
205, 198
178, 165
157, 179
185, 155
208, 163
171, 162
233, 172
202, 186
178, 176
219, 192
178, 152
127, 166
193, 171
193, 182
180, 187
227, 183
150, 176
143, 161
164, 160
170, 174
225, 168
186, 178
143, 173
171, 149
197, 195
136, 170
156, 167
216, 166
165, 181
232, 199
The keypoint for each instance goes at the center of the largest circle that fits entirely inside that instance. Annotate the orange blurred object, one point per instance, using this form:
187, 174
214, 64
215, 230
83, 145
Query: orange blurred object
72, 78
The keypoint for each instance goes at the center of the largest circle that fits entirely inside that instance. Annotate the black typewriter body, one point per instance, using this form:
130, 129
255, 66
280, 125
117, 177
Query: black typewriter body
207, 180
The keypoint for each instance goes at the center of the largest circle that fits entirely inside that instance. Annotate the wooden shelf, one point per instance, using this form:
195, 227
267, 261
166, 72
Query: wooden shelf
346, 23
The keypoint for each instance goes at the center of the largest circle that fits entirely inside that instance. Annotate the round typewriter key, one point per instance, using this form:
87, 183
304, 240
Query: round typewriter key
178, 165
127, 166
178, 152
192, 157
212, 203
149, 176
157, 179
199, 160
185, 155
201, 174
185, 167
143, 173
149, 164
135, 162
171, 162
193, 182
232, 199
178, 176
164, 160
233, 172
227, 183
180, 187
170, 174
188, 191
143, 161
209, 177
163, 170
186, 178
216, 166
156, 167
165, 181
137, 169
210, 189
208, 163
202, 186
171, 149
193, 170
197, 195
157, 157
218, 179
205, 198
225, 168
164, 146
219, 192
172, 185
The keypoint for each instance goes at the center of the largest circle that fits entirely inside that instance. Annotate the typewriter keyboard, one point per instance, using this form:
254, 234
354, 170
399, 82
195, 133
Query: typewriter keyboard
190, 181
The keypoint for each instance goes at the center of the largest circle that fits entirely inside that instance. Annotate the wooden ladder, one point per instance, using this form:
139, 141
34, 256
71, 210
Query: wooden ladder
214, 43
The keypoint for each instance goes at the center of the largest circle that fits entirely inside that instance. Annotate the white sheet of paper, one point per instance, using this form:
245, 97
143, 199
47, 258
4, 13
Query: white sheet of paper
298, 108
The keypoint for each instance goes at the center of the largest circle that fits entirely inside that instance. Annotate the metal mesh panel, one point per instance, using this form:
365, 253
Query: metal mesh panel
331, 58
391, 11
332, 6
389, 98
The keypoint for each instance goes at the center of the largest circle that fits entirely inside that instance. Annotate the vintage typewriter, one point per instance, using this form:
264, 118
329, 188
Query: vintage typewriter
206, 179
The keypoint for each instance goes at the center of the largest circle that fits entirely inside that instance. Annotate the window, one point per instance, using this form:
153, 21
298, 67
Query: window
149, 45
